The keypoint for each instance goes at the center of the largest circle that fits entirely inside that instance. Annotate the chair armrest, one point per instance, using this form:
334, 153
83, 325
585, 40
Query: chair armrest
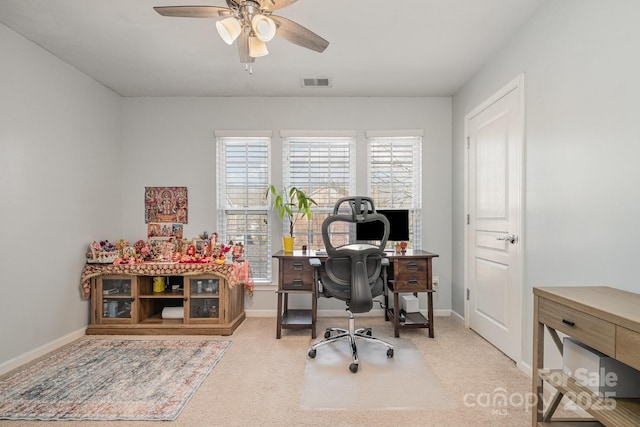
316, 264
385, 263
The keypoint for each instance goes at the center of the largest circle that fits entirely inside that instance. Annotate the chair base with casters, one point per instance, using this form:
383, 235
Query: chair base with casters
351, 334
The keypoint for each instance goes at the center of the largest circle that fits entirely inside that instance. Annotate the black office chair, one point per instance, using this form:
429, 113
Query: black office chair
355, 273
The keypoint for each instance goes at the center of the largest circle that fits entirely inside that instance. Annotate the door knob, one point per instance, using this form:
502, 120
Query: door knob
511, 238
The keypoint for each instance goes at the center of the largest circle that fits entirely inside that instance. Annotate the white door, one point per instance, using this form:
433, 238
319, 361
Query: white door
493, 258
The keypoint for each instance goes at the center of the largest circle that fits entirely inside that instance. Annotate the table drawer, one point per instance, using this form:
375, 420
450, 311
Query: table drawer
627, 344
297, 275
410, 275
590, 330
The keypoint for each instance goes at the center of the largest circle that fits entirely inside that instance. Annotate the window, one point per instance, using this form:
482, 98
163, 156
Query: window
243, 166
324, 167
395, 177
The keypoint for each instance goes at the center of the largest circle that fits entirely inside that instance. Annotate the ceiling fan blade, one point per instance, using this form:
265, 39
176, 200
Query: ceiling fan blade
243, 48
271, 5
297, 34
192, 11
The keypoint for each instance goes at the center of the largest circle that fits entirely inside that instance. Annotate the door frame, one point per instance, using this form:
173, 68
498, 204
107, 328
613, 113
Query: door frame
516, 84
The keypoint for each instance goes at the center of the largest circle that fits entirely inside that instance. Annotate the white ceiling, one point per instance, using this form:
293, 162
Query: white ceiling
377, 48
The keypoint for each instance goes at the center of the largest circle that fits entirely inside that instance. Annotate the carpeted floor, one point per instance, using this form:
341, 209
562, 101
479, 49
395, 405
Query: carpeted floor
260, 382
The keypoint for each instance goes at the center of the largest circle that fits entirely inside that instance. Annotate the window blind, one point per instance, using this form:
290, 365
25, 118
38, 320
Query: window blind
243, 168
395, 177
325, 168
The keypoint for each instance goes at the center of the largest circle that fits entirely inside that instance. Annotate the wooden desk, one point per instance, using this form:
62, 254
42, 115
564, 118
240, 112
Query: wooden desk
603, 318
408, 272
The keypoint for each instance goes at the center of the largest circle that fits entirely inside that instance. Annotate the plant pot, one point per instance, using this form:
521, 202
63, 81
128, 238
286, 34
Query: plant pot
287, 243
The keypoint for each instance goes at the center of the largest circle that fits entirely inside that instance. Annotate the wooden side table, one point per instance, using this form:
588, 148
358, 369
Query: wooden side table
295, 276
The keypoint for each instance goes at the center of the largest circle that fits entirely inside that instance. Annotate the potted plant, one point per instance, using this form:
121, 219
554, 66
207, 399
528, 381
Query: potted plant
293, 204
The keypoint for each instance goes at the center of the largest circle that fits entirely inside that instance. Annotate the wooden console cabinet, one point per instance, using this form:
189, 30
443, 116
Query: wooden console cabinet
190, 303
603, 318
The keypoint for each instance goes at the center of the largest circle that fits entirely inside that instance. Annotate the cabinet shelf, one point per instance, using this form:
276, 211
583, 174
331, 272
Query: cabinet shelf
570, 423
411, 320
176, 295
157, 319
627, 411
292, 318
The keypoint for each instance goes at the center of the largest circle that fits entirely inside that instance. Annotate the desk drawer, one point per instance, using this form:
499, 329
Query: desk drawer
590, 330
410, 275
297, 275
627, 344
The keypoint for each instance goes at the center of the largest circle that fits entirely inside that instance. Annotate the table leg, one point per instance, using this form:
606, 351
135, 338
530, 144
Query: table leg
279, 317
386, 305
396, 314
314, 315
430, 313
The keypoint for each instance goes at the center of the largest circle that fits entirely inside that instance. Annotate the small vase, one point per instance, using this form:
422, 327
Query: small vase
158, 284
287, 243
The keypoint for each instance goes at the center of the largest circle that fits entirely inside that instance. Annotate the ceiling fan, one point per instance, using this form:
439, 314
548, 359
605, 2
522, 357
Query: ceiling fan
251, 23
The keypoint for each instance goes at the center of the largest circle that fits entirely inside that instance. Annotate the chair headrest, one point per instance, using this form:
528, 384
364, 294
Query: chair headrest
360, 210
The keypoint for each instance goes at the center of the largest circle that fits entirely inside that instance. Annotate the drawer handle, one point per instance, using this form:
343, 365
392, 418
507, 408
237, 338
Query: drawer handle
297, 266
412, 282
297, 282
412, 266
569, 322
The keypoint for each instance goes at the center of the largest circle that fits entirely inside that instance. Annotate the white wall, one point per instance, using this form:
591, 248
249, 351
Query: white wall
59, 180
169, 142
581, 65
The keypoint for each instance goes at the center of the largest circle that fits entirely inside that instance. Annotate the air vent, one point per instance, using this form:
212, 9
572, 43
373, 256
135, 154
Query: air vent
316, 82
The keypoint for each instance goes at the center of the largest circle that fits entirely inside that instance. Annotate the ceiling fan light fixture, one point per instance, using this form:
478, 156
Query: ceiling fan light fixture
229, 29
263, 27
257, 47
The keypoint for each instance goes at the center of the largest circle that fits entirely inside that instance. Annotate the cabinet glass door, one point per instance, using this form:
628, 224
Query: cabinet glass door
204, 301
116, 298
204, 308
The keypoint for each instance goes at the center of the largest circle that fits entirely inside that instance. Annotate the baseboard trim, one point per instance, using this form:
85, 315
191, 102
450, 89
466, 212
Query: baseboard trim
525, 367
457, 317
32, 355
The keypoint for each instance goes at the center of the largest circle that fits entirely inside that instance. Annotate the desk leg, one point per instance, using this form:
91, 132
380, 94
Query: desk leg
279, 317
430, 313
430, 297
386, 305
396, 314
314, 314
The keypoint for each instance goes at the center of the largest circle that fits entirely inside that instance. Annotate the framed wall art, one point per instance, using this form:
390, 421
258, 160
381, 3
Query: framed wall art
163, 230
165, 204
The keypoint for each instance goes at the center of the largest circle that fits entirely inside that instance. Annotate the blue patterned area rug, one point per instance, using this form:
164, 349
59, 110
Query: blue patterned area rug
106, 379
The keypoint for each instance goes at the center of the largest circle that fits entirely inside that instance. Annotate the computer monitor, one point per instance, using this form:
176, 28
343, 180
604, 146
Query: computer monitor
398, 231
